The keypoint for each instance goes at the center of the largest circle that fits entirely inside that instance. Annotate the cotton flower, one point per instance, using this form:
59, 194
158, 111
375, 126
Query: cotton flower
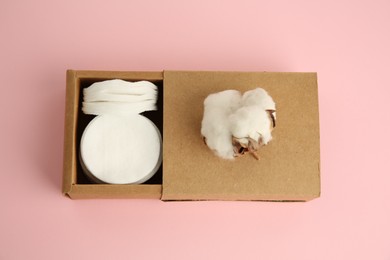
215, 124
233, 124
258, 97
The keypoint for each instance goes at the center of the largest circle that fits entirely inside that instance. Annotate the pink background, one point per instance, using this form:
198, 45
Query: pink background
346, 42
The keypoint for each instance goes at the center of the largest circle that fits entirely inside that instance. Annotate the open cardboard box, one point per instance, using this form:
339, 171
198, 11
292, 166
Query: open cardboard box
289, 168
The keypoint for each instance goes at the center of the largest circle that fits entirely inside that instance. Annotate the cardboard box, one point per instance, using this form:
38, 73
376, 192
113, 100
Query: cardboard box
289, 168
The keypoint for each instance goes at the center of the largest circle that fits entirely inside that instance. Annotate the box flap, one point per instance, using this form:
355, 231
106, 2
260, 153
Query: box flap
107, 191
289, 166
71, 107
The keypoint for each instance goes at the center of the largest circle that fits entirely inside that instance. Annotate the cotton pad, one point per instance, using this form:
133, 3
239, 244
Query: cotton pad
119, 97
121, 87
120, 149
118, 108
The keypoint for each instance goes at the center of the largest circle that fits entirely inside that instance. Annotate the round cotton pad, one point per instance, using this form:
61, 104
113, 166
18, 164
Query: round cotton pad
120, 150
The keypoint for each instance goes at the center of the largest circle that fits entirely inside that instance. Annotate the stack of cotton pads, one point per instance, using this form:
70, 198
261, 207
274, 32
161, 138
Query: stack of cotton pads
120, 146
119, 97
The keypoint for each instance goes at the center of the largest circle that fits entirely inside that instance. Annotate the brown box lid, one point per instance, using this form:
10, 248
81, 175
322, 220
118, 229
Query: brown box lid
289, 168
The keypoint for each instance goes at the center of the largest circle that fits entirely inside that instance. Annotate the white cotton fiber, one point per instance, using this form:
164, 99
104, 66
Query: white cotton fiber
246, 118
215, 124
252, 122
258, 97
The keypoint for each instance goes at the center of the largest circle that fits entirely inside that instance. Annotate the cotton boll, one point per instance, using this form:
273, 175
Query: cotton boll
258, 97
215, 129
215, 123
234, 125
261, 98
228, 100
251, 122
221, 144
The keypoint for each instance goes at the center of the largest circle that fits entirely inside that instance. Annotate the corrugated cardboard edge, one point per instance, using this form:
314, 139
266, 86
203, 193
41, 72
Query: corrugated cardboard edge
319, 139
71, 107
317, 195
94, 191
109, 191
235, 197
135, 75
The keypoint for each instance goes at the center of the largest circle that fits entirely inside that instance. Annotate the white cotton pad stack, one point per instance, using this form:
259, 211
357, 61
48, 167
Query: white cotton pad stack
120, 150
119, 146
119, 97
246, 118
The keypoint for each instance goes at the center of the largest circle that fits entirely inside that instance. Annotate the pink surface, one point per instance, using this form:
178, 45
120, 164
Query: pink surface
346, 42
